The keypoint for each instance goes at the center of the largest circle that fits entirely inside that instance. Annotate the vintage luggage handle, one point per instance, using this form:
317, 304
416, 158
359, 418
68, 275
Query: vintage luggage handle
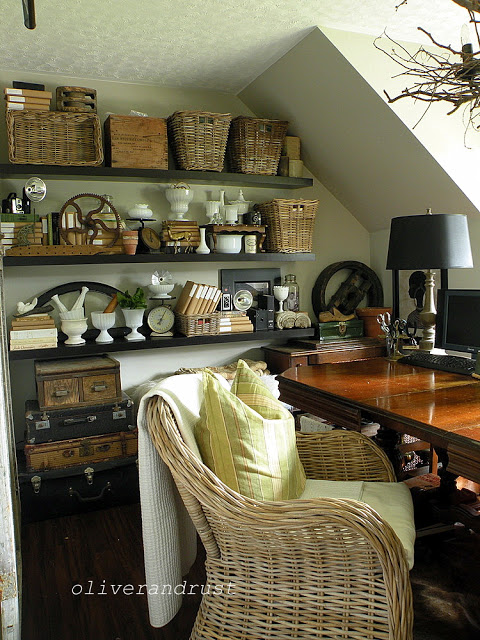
69, 421
73, 493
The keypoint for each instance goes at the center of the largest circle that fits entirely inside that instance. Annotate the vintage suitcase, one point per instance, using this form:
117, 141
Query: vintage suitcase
69, 453
62, 492
45, 425
343, 329
77, 382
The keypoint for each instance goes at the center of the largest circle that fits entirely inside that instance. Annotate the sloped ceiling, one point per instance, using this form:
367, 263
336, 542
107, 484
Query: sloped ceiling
351, 140
215, 44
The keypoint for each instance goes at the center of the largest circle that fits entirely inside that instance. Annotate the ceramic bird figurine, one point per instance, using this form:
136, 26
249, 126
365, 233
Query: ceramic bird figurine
25, 307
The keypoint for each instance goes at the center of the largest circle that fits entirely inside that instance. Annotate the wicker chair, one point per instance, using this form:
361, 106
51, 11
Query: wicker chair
320, 568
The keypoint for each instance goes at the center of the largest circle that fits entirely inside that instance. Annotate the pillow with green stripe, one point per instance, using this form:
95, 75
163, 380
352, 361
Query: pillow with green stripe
247, 438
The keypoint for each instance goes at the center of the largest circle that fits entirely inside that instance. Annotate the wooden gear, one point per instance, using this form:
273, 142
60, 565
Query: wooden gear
88, 222
361, 281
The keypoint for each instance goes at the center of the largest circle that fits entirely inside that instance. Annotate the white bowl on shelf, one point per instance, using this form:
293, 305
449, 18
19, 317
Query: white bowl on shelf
160, 290
229, 242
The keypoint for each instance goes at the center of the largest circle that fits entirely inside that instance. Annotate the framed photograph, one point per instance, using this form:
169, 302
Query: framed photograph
254, 280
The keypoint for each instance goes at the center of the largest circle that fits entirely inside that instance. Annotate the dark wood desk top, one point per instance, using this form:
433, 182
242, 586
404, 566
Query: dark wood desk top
436, 406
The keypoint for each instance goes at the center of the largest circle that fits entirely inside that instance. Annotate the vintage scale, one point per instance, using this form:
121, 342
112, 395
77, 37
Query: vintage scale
161, 318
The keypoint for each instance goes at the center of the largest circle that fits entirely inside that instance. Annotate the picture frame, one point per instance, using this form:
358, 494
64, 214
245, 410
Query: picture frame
254, 280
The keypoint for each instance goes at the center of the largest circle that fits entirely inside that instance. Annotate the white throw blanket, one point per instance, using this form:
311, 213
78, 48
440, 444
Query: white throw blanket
169, 537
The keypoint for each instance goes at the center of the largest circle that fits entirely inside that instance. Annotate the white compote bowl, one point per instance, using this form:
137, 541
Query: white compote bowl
103, 321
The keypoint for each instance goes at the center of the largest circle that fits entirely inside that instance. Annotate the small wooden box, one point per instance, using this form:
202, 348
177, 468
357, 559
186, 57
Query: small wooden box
77, 382
342, 329
136, 142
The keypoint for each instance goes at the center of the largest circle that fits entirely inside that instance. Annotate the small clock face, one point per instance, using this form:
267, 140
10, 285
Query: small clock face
161, 319
150, 238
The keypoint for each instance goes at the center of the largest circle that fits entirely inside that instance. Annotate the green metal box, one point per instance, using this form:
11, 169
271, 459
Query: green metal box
343, 329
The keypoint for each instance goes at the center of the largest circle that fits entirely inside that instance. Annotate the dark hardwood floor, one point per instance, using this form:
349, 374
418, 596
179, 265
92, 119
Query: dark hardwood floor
107, 546
94, 550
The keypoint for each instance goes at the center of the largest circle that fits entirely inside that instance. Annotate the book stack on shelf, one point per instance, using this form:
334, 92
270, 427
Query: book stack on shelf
234, 322
36, 331
12, 231
26, 99
197, 299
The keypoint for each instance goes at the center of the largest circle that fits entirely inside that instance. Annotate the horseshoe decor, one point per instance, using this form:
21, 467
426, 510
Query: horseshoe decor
360, 282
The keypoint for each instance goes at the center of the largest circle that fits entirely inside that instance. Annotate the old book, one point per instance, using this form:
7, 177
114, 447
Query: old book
196, 300
11, 91
30, 334
33, 316
27, 345
26, 100
33, 325
185, 296
22, 106
244, 328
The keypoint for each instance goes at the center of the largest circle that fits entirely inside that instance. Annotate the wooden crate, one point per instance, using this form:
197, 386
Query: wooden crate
69, 453
77, 382
136, 142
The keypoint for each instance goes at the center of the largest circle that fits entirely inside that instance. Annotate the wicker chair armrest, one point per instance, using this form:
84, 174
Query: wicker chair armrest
343, 455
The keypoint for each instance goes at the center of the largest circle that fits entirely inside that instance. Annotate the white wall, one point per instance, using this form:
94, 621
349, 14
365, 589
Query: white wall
338, 235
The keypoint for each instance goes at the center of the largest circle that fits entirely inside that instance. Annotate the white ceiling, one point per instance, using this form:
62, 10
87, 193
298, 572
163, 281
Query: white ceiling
214, 44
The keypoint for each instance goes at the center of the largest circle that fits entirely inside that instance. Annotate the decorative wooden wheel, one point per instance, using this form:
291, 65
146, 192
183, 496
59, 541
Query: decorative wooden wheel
89, 224
360, 282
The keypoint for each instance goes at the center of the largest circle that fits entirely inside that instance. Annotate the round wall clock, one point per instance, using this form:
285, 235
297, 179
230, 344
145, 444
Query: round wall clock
161, 320
148, 240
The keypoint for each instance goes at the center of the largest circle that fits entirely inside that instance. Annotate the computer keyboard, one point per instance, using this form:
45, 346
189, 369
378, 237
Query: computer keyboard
452, 364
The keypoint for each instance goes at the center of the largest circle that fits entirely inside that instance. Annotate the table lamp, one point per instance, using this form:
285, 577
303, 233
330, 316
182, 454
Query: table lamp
439, 241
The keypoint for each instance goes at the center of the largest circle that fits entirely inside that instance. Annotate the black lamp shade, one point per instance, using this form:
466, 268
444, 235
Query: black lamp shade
432, 241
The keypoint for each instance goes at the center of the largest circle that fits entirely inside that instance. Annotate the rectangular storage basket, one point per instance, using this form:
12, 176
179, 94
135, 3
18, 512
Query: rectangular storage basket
54, 137
290, 225
197, 325
255, 145
199, 139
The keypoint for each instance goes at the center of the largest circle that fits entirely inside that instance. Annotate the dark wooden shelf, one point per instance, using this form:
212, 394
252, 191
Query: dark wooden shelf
91, 348
31, 261
152, 175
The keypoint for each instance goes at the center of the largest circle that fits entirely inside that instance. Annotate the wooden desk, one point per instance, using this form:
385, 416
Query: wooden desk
435, 406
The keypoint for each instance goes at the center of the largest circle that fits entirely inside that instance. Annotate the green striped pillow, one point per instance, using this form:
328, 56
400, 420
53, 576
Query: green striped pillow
247, 438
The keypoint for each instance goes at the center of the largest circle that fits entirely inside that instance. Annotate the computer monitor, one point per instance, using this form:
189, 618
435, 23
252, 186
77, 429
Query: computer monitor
458, 320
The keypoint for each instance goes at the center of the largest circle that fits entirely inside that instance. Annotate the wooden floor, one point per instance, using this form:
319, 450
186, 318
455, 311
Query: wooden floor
86, 550
106, 546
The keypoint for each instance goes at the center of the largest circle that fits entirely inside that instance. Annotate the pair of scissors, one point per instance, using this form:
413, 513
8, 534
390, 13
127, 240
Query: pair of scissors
398, 327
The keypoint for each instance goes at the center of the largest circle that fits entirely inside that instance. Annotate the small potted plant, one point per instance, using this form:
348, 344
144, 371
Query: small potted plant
133, 307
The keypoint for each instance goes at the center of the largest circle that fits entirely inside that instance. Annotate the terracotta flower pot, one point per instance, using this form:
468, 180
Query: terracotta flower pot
130, 242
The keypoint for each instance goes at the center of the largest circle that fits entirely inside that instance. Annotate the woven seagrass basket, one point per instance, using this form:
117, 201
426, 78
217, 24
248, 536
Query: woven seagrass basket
255, 145
290, 225
54, 137
199, 139
197, 325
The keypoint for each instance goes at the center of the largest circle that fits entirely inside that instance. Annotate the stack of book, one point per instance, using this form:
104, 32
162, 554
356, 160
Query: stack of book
36, 331
9, 232
197, 299
234, 322
24, 99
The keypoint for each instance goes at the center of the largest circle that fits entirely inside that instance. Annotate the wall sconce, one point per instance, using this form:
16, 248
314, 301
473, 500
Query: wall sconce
427, 242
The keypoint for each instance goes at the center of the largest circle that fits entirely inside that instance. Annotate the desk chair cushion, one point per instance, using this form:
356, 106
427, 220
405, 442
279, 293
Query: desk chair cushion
249, 443
391, 500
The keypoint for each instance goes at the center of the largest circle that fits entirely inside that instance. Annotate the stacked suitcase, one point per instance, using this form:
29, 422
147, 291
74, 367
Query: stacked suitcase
80, 448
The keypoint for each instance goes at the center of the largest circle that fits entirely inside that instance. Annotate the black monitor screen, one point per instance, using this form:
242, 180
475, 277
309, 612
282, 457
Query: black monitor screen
458, 320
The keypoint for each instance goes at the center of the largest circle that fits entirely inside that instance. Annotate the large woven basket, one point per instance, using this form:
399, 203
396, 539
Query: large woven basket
255, 145
199, 139
197, 325
290, 225
54, 137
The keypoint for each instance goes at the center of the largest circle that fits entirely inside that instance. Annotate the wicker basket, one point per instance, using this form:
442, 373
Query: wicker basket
54, 137
290, 225
255, 145
199, 139
196, 325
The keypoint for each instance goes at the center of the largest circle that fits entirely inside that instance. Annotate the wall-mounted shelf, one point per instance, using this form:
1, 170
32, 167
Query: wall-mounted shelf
139, 258
151, 175
120, 344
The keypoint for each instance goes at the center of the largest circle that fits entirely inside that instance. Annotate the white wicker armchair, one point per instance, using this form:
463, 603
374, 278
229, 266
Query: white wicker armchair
317, 568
